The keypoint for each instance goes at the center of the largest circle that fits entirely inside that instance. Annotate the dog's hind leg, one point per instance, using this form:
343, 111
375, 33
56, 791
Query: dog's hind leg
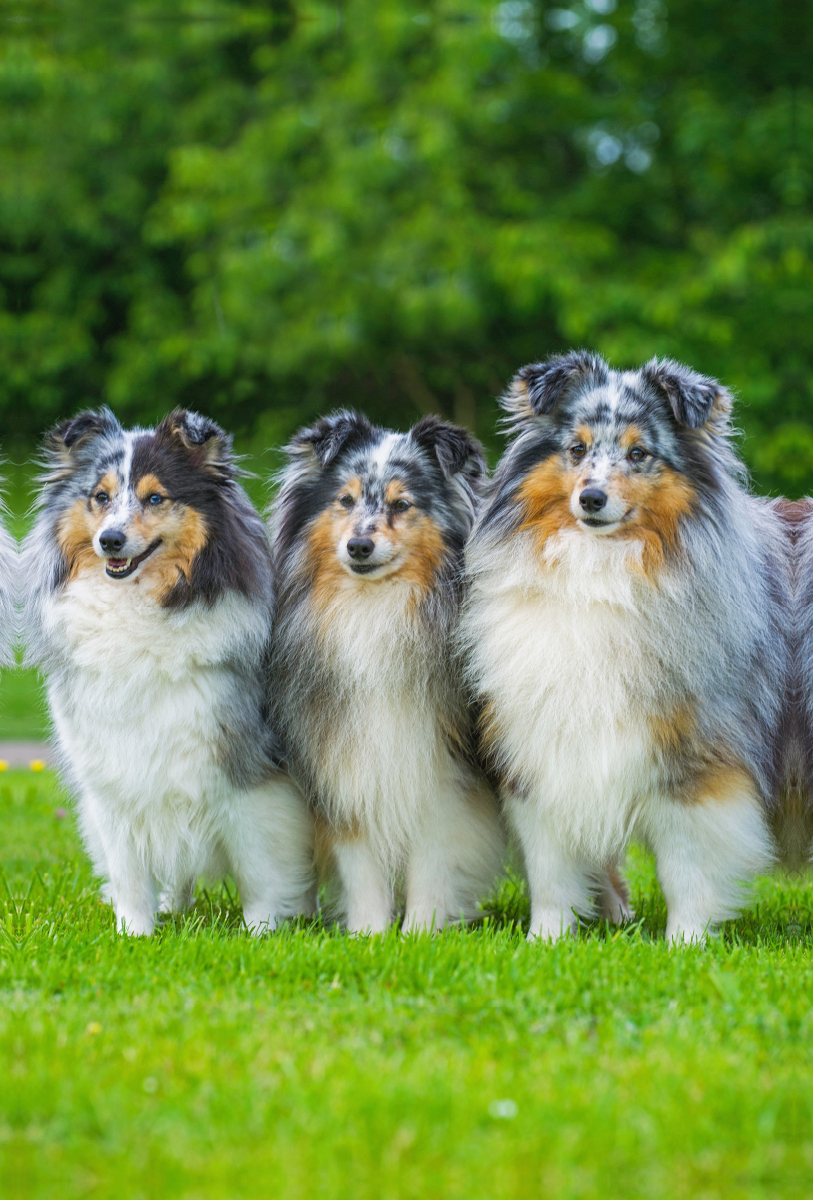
177, 897
456, 858
268, 839
705, 852
614, 896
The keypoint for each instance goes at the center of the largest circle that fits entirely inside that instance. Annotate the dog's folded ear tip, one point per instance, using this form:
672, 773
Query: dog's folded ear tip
192, 427
92, 421
537, 387
322, 441
692, 397
457, 449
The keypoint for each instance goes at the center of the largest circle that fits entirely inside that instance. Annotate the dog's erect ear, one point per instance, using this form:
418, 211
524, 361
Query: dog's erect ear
693, 398
317, 445
535, 389
457, 451
202, 440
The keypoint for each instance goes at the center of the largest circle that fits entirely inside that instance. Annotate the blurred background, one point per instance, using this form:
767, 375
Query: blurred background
264, 210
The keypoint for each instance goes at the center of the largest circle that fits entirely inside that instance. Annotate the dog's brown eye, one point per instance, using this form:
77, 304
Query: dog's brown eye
401, 505
579, 450
637, 454
101, 497
346, 501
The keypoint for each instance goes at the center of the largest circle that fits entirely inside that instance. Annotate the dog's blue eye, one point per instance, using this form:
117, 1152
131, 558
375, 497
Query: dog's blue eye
637, 454
346, 501
401, 505
101, 497
155, 498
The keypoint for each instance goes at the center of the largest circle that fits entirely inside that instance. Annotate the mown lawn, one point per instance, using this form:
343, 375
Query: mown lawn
203, 1064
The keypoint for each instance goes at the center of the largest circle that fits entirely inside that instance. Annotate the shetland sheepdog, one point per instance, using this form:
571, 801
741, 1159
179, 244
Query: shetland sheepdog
624, 628
148, 583
369, 530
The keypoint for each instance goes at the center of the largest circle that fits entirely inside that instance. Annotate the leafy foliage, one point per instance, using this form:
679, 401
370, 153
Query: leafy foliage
265, 210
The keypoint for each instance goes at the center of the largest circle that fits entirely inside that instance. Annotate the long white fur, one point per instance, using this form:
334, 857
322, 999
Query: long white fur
137, 694
575, 647
415, 810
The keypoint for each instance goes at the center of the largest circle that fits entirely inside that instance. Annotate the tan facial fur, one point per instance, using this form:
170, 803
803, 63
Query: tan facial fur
181, 530
654, 501
77, 527
416, 541
183, 535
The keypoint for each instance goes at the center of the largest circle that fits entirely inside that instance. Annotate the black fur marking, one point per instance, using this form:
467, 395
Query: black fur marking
502, 510
236, 556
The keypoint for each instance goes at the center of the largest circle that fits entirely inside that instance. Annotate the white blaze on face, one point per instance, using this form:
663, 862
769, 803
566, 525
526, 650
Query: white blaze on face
369, 520
383, 452
119, 512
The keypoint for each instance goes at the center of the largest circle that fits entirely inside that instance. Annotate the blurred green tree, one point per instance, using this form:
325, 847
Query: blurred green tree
267, 210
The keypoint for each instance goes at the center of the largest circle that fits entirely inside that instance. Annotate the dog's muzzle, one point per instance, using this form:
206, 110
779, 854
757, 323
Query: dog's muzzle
120, 568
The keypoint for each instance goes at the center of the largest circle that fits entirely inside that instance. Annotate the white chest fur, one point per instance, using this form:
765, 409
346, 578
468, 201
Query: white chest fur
565, 652
379, 759
137, 691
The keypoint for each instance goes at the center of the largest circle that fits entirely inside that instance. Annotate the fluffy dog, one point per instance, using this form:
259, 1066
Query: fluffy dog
624, 631
149, 581
369, 533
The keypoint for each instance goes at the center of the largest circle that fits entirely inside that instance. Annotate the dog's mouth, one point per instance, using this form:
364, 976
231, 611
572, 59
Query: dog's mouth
365, 568
120, 568
599, 524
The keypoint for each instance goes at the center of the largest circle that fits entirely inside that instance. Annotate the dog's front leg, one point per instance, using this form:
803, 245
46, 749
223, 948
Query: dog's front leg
558, 882
130, 886
268, 838
366, 891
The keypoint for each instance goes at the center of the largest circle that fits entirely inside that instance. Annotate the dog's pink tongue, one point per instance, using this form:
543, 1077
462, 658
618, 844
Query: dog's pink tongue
116, 563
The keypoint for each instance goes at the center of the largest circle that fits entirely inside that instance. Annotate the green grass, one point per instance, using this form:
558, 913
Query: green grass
201, 1063
23, 711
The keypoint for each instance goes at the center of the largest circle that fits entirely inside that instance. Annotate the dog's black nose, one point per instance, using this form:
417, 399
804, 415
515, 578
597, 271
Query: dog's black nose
592, 500
112, 540
360, 548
